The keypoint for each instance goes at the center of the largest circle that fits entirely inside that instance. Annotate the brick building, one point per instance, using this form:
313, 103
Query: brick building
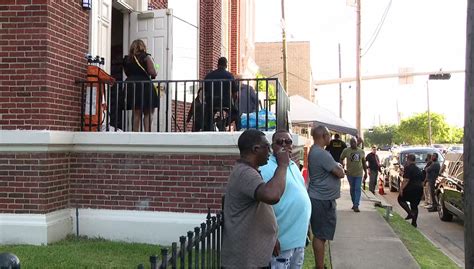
144, 187
268, 56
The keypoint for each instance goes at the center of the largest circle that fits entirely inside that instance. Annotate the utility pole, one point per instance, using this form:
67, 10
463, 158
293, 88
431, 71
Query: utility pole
469, 141
340, 84
429, 114
283, 33
358, 64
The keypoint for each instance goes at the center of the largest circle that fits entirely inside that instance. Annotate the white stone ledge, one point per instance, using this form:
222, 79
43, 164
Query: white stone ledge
61, 141
117, 225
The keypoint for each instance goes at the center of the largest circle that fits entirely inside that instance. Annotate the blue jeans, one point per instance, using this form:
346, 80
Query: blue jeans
289, 259
355, 183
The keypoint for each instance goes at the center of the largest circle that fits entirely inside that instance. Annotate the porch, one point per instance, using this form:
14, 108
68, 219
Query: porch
182, 105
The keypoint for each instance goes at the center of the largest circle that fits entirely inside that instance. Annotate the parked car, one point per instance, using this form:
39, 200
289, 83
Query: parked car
456, 149
385, 164
450, 188
384, 147
398, 158
441, 148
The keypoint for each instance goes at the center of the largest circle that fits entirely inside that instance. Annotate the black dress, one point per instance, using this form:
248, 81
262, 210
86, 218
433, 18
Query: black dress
140, 94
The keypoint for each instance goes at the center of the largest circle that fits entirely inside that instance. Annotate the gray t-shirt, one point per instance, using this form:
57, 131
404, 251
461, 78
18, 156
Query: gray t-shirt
323, 184
433, 171
250, 228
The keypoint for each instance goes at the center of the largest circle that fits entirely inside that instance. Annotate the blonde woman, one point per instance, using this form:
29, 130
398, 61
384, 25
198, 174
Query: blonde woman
141, 97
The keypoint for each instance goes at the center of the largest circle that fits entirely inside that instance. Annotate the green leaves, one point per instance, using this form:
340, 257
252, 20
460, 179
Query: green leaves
414, 131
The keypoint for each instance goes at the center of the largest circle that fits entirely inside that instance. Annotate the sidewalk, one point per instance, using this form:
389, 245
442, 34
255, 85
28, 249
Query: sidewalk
365, 239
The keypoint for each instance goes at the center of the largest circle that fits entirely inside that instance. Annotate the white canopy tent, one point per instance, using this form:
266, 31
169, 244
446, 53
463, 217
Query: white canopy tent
303, 111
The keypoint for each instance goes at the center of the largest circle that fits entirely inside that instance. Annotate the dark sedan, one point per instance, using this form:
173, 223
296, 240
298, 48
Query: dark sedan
450, 188
398, 158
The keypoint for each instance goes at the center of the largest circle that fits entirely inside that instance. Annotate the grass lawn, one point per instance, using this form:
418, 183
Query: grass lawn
99, 253
426, 254
83, 253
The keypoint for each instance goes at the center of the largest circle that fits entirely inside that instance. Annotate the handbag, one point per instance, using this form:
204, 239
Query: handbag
155, 85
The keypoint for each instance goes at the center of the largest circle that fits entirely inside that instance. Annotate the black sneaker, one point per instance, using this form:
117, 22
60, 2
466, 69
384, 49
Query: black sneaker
408, 217
356, 209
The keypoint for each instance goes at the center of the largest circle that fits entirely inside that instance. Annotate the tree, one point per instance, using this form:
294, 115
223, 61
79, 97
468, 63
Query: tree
262, 87
414, 130
380, 135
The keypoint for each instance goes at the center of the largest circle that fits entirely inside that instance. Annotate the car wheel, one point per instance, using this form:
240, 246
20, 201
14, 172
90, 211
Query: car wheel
443, 213
390, 185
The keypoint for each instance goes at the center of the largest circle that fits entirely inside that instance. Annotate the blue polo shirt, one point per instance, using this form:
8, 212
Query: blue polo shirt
294, 208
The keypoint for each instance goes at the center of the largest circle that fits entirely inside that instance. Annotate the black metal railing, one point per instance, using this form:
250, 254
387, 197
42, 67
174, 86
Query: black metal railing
199, 249
183, 105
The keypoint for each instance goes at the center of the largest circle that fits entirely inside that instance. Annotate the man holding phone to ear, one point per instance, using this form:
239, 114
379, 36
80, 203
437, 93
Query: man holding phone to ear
293, 210
250, 230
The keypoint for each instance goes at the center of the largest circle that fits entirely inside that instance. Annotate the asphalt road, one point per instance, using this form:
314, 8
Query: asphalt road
447, 236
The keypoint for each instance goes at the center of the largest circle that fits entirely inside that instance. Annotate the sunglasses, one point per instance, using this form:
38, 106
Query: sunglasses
286, 141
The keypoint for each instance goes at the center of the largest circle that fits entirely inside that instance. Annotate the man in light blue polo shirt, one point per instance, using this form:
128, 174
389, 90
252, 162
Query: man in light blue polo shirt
292, 212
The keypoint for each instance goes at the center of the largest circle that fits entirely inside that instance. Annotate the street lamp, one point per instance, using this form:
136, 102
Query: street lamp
436, 76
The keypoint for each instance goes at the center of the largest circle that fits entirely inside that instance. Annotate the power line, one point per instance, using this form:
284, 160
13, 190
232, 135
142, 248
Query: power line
377, 29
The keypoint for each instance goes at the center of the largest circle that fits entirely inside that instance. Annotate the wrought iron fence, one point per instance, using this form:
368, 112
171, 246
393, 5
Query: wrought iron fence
199, 249
183, 105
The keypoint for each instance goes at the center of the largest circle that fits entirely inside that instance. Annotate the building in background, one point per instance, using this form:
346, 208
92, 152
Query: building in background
268, 56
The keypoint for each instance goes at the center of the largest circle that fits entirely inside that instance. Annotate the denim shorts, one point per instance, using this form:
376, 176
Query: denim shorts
291, 258
323, 218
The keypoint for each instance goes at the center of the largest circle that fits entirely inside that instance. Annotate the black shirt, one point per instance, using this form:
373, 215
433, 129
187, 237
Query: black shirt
373, 160
336, 147
212, 90
413, 173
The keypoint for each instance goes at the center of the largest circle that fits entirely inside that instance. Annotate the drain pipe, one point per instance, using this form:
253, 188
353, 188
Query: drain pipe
77, 222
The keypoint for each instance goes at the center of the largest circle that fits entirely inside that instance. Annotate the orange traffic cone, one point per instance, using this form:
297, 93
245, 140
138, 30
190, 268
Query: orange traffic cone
381, 187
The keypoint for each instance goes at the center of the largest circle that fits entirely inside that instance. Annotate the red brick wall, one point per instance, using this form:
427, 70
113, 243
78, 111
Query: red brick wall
44, 182
154, 182
33, 182
42, 47
210, 21
158, 4
180, 117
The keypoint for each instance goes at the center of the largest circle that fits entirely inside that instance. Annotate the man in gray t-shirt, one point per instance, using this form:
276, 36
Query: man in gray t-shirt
432, 173
250, 231
323, 184
324, 188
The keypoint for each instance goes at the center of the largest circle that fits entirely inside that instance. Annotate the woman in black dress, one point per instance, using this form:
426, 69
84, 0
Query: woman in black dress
411, 189
141, 96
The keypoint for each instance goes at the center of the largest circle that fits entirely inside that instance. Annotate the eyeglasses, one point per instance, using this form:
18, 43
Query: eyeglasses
287, 141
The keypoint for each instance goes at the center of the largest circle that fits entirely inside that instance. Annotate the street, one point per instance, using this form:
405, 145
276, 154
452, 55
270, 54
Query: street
448, 236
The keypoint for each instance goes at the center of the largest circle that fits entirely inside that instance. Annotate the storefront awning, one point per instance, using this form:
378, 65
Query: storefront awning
303, 111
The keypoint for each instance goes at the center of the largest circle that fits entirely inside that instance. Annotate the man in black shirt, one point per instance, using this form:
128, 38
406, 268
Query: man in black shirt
218, 92
411, 189
374, 168
335, 147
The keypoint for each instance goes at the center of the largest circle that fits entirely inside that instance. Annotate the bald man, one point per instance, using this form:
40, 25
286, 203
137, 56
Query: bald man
324, 188
356, 168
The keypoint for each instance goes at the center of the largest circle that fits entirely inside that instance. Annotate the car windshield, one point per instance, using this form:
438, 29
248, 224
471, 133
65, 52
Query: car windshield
420, 157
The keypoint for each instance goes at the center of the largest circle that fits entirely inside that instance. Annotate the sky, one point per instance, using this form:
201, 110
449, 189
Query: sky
423, 35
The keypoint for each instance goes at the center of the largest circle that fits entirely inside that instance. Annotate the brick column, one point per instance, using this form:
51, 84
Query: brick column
234, 23
210, 32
